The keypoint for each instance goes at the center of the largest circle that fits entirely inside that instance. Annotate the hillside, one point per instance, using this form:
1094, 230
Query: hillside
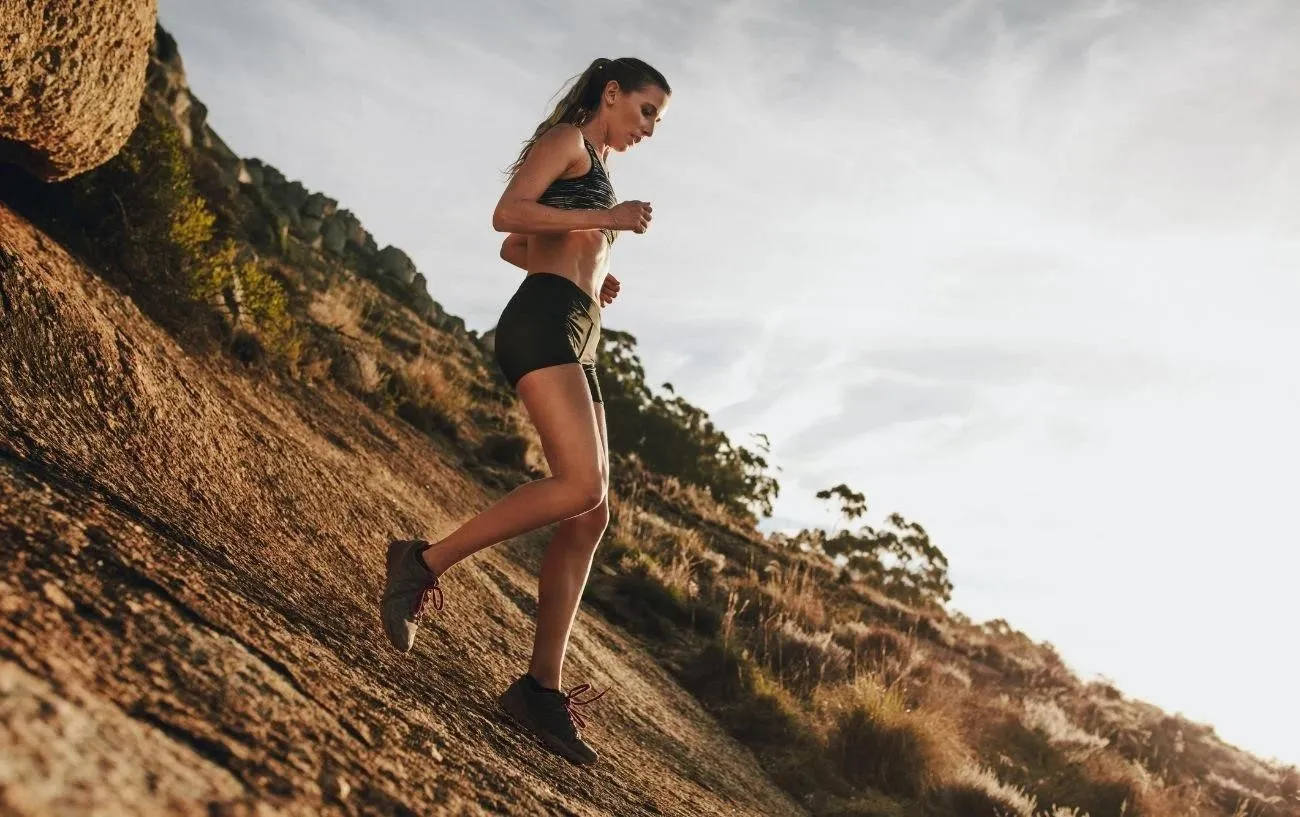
219, 399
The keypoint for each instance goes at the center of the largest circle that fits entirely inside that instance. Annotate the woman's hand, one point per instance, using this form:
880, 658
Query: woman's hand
630, 215
609, 290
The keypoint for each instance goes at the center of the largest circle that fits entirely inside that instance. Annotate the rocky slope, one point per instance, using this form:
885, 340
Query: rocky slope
188, 618
193, 553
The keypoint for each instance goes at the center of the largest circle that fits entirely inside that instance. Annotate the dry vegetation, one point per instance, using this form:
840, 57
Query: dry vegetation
860, 705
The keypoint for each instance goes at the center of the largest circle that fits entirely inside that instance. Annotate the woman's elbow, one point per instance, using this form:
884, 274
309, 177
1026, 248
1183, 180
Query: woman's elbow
503, 219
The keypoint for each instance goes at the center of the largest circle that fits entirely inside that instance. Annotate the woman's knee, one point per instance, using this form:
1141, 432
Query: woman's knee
584, 494
589, 526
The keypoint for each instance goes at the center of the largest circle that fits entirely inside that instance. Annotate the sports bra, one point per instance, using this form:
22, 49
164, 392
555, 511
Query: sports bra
590, 191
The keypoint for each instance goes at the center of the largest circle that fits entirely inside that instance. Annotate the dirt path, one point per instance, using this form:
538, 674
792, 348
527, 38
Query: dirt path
187, 608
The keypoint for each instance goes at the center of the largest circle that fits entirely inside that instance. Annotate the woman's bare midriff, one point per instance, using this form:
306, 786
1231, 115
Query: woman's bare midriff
581, 256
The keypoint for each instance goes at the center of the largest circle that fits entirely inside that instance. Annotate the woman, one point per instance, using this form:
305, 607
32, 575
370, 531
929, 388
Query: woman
562, 217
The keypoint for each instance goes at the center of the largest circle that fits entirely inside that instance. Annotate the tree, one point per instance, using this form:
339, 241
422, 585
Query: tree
675, 438
898, 557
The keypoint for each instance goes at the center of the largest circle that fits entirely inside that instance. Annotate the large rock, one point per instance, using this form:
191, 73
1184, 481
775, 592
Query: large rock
71, 76
318, 205
397, 264
334, 235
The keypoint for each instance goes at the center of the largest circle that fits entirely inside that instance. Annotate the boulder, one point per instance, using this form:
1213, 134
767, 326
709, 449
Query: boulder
397, 264
334, 235
71, 76
308, 228
354, 233
271, 176
294, 195
318, 205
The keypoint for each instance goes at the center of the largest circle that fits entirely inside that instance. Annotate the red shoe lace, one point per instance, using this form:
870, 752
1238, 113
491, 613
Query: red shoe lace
571, 700
431, 589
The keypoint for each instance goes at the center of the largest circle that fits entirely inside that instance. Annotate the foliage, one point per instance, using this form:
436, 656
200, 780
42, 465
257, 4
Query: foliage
898, 557
141, 220
672, 436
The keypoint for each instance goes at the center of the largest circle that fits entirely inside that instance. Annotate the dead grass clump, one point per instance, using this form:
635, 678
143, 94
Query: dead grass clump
882, 651
754, 707
875, 741
797, 592
1105, 784
440, 390
802, 660
1050, 721
424, 395
357, 371
976, 792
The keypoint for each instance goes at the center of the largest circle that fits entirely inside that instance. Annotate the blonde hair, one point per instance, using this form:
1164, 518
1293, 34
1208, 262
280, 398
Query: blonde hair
581, 99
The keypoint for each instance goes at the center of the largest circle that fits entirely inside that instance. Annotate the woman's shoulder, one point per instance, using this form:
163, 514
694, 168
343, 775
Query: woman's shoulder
564, 134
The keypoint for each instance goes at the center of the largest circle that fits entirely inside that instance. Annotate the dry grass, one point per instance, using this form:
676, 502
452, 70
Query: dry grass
338, 308
803, 661
795, 591
874, 740
447, 394
975, 791
1049, 720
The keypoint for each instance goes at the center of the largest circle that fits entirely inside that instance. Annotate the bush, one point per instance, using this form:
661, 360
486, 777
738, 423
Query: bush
140, 221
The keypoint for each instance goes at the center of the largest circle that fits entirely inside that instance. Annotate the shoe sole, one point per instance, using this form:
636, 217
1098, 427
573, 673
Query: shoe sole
520, 714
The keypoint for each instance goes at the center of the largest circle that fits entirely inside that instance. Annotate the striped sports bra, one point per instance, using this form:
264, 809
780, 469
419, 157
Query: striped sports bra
590, 191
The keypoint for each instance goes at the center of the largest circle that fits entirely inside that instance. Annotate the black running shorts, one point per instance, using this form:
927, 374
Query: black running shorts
550, 321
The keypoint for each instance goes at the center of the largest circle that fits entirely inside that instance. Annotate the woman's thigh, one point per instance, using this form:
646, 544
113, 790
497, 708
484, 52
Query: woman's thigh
570, 424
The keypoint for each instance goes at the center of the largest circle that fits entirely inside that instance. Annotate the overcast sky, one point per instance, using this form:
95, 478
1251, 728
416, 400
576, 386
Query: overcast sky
1027, 273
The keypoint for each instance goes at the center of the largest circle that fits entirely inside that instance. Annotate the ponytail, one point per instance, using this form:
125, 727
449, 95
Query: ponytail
581, 100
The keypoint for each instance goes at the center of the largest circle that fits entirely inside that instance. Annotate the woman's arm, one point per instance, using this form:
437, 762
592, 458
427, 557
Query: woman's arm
515, 250
551, 156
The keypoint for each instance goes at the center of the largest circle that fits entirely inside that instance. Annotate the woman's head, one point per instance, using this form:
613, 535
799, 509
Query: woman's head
627, 93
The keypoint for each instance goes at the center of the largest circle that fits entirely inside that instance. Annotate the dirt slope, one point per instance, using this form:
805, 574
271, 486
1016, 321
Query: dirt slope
187, 606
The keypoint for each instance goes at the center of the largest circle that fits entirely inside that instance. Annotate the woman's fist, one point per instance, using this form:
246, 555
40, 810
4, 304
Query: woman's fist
630, 215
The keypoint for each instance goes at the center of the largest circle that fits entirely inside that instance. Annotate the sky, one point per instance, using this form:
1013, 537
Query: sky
1026, 273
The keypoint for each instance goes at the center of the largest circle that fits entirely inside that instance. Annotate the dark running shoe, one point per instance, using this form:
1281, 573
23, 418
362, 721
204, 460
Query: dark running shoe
407, 588
552, 716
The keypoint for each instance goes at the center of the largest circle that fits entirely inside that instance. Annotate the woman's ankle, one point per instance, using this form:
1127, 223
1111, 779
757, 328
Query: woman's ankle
429, 557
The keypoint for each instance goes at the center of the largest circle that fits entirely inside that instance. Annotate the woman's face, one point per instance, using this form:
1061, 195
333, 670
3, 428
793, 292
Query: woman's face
632, 116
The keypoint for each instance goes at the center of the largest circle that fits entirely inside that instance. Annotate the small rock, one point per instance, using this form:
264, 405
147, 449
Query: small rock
57, 597
339, 788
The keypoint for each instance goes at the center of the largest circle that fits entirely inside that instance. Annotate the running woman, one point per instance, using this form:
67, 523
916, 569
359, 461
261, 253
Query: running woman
562, 217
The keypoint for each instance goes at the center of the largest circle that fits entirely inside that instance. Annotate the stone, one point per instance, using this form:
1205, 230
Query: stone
334, 236
318, 205
397, 264
309, 228
271, 176
354, 232
71, 77
293, 195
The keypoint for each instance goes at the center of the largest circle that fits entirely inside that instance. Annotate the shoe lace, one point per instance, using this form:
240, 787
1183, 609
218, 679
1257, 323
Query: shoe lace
430, 589
572, 701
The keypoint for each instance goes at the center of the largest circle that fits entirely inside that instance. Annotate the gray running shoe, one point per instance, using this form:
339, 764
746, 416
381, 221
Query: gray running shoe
407, 587
552, 716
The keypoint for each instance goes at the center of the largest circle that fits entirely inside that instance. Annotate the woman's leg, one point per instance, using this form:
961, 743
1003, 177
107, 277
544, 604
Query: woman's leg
565, 568
559, 404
